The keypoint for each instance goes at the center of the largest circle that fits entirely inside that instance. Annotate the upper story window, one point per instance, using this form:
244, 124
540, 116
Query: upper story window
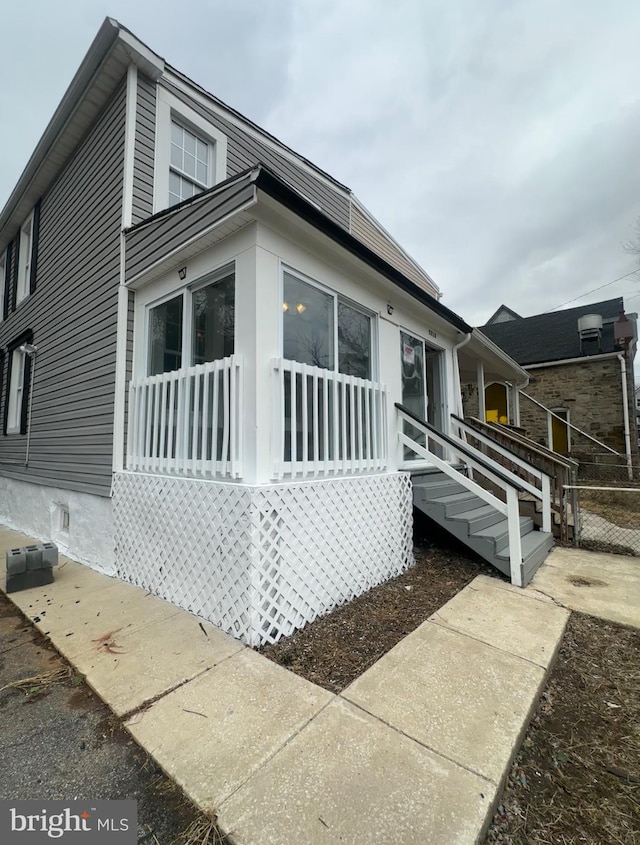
191, 153
322, 329
190, 164
25, 256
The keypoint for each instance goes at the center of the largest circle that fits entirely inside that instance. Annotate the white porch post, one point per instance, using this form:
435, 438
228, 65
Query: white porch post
516, 405
482, 411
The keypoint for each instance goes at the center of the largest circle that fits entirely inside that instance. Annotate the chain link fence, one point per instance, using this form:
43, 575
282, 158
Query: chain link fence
609, 518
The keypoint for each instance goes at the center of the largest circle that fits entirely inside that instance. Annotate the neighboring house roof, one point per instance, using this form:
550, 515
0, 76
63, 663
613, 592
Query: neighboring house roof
502, 315
554, 336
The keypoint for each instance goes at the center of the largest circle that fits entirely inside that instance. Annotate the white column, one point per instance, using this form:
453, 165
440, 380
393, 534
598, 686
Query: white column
482, 412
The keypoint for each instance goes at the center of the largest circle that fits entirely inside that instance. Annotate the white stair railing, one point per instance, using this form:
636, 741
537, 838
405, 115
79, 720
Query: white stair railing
476, 461
542, 493
188, 422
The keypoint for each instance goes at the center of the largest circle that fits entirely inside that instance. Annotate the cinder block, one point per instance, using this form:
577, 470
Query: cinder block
49, 555
16, 561
30, 578
34, 557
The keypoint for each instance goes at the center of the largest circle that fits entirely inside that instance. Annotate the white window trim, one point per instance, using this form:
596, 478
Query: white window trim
169, 107
337, 297
186, 292
25, 257
16, 391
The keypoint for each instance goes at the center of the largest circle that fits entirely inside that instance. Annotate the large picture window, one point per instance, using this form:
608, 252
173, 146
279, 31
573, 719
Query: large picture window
321, 329
192, 327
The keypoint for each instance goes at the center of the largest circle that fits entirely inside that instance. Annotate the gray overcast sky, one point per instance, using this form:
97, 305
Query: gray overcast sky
496, 140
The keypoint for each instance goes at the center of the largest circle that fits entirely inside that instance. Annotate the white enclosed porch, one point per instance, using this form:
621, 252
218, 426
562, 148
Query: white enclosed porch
266, 480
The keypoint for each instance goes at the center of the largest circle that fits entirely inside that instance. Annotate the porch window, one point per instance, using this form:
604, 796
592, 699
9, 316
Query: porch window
321, 329
194, 327
331, 411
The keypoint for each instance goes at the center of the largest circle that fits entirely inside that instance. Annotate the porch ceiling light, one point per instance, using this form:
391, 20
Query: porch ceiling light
285, 306
300, 308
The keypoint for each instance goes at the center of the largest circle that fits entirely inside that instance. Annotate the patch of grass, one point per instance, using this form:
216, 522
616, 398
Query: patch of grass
37, 684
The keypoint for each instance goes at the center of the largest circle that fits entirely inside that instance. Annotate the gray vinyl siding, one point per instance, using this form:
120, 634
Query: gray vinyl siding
245, 151
366, 231
73, 316
149, 243
144, 150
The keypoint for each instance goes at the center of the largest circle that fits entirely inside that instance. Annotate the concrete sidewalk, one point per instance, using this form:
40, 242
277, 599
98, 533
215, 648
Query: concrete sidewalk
413, 751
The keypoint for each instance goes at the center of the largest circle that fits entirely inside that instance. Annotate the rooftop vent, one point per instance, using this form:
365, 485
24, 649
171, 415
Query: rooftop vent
590, 331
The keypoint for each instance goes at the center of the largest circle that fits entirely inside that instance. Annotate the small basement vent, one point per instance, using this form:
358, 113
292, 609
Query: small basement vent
590, 331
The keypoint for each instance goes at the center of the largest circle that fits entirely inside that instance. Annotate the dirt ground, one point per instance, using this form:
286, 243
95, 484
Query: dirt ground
577, 776
59, 741
335, 649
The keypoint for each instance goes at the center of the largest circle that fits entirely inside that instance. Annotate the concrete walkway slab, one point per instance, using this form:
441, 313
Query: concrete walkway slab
458, 696
136, 667
79, 616
502, 618
214, 732
603, 585
347, 777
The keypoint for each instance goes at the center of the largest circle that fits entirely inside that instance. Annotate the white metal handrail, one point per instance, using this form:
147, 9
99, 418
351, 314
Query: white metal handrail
326, 422
188, 422
510, 508
543, 493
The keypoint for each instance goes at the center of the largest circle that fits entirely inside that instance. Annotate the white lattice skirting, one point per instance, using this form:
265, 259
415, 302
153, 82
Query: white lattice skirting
260, 562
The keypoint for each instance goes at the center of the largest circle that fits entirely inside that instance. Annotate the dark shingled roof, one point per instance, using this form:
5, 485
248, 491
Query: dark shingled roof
554, 336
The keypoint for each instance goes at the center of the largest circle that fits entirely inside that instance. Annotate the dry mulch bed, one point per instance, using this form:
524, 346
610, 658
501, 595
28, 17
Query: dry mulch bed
577, 776
333, 650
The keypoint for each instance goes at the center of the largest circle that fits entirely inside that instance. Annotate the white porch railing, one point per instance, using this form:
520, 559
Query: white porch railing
188, 422
326, 423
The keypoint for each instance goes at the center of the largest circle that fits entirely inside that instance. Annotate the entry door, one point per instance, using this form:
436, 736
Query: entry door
421, 385
560, 431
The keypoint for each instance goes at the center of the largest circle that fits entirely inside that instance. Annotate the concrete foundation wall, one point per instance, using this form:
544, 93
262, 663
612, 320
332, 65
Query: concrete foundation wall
38, 511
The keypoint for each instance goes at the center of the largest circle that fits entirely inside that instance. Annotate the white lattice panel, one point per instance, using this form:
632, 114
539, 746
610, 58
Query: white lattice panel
320, 544
187, 541
261, 562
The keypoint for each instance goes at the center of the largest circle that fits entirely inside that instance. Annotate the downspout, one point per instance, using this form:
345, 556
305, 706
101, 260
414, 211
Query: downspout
625, 405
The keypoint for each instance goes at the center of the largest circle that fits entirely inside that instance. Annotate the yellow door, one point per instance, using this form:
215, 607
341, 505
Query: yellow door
496, 403
560, 433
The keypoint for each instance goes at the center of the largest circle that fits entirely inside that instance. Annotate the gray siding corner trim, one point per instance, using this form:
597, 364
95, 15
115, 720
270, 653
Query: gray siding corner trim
144, 150
170, 231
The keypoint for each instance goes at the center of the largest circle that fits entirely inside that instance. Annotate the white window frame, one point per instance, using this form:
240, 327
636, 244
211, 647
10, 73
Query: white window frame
25, 257
186, 292
337, 297
171, 108
16, 391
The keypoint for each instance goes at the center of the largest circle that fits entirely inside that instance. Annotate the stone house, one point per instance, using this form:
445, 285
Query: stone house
580, 367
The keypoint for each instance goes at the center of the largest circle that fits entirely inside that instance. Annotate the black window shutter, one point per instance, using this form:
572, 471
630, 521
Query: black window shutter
14, 279
35, 237
26, 390
8, 276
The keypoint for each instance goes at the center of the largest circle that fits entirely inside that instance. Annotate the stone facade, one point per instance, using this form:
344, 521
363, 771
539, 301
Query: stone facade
591, 390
